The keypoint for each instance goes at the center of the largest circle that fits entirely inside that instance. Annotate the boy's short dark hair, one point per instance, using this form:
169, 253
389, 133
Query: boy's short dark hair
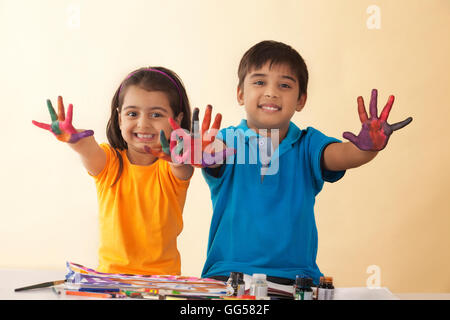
276, 53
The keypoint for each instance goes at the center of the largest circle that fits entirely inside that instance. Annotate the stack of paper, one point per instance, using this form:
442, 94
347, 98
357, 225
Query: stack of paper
79, 276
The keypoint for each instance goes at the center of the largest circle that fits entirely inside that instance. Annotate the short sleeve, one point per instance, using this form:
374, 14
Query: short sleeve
317, 144
177, 183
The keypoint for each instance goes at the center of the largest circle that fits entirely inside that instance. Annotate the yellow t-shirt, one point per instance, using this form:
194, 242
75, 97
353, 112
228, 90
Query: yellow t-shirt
140, 216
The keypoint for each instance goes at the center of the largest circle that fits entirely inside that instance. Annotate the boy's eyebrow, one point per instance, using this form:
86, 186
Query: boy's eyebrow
260, 75
289, 77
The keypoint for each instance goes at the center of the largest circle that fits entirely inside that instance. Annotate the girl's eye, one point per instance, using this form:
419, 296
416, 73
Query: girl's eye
155, 115
131, 114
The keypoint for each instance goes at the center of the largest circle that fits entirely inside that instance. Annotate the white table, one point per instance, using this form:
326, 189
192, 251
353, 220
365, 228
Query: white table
16, 278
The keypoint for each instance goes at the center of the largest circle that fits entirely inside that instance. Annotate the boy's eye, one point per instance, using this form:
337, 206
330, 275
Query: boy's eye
259, 82
285, 85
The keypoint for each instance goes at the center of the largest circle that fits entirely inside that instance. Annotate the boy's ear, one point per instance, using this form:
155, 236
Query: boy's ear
240, 96
301, 102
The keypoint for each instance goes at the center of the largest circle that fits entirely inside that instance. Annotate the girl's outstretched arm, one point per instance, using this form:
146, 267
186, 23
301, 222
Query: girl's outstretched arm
82, 141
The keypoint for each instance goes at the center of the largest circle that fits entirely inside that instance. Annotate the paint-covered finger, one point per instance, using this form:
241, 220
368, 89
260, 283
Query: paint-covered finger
61, 112
373, 104
174, 124
52, 112
401, 124
350, 136
387, 108
41, 125
206, 119
75, 137
195, 120
362, 109
164, 143
217, 122
69, 113
147, 149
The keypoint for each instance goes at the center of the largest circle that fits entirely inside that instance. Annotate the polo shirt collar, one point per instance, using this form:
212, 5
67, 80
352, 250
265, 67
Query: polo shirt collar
292, 136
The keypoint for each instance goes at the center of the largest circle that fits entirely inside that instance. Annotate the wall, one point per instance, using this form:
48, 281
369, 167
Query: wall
387, 220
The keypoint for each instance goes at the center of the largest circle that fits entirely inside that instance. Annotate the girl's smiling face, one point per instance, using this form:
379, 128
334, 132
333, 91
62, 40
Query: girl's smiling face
142, 116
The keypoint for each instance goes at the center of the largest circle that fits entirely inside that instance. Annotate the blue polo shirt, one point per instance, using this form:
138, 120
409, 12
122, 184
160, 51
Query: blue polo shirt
266, 224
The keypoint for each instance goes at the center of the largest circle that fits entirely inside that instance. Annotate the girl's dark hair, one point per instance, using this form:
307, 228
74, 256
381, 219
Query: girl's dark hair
148, 79
275, 53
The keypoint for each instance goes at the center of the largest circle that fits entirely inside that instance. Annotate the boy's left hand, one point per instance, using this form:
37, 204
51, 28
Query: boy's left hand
375, 131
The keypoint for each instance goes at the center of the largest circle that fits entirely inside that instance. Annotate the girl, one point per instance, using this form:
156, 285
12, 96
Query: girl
141, 197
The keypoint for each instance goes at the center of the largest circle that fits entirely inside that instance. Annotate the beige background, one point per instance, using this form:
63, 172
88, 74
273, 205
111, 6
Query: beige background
392, 215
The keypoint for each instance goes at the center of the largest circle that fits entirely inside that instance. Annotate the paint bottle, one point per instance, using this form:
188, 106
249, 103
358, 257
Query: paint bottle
241, 284
321, 289
314, 290
329, 291
235, 284
303, 289
258, 286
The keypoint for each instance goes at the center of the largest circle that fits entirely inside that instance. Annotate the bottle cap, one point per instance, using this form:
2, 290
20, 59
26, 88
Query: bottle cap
303, 282
259, 276
234, 276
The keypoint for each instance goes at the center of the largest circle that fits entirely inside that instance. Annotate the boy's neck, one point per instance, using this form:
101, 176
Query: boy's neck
282, 132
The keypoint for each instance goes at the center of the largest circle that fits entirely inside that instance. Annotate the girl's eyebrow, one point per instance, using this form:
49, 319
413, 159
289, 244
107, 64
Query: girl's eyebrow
151, 108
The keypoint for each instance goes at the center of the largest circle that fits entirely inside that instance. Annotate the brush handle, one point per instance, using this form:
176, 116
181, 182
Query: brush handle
40, 285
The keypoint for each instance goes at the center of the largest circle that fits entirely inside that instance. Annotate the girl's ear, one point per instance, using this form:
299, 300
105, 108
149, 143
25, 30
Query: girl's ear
179, 118
240, 96
118, 117
301, 102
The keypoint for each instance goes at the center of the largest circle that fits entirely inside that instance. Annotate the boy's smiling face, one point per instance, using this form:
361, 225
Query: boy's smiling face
270, 96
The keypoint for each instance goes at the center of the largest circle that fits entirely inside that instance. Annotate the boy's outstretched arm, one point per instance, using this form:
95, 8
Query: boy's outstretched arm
81, 141
372, 138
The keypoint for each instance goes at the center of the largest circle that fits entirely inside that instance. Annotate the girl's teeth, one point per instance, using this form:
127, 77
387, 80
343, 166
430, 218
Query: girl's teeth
144, 136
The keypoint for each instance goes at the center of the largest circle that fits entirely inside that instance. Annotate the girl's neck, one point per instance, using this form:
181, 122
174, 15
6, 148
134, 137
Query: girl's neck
140, 159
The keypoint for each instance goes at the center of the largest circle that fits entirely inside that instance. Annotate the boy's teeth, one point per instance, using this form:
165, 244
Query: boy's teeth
269, 108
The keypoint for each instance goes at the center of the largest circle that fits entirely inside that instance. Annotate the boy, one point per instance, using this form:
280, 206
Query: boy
263, 222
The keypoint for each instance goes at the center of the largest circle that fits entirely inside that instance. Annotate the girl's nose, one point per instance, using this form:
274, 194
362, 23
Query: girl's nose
144, 123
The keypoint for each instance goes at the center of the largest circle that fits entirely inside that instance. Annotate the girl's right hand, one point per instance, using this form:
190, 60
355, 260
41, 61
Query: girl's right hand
61, 125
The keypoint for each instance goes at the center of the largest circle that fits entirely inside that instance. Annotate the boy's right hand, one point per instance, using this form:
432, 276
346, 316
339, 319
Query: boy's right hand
61, 125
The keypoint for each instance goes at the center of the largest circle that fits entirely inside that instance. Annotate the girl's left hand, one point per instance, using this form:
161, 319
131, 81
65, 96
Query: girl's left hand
375, 131
193, 147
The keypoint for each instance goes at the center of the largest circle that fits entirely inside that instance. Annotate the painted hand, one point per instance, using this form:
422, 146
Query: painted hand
194, 148
61, 125
375, 132
164, 152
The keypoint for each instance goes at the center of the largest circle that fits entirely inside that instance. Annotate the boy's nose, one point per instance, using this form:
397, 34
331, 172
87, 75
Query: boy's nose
271, 92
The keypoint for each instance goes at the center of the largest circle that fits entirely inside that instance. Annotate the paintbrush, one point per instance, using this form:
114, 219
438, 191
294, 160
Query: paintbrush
41, 285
